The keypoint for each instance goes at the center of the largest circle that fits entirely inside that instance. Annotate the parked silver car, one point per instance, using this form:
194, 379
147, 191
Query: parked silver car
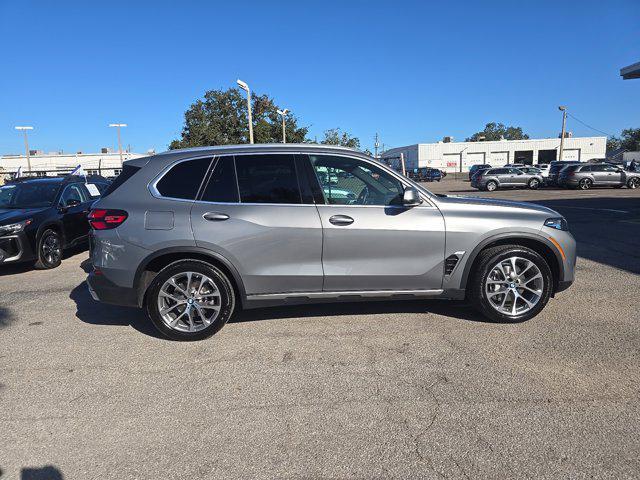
194, 235
507, 177
589, 175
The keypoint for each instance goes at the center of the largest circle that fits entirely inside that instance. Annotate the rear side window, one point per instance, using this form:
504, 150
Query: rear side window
267, 179
183, 180
127, 172
222, 186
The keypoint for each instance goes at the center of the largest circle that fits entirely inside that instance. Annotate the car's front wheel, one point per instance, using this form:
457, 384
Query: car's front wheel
510, 283
49, 254
190, 300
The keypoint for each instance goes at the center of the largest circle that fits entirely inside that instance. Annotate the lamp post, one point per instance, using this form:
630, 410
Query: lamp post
245, 87
118, 126
284, 130
26, 144
563, 109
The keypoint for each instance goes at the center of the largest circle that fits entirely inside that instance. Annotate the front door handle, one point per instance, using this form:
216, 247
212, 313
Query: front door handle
341, 220
215, 216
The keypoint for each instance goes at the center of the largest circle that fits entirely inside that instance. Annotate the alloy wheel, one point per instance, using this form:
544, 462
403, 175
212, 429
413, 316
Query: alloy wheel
51, 251
514, 286
189, 302
634, 183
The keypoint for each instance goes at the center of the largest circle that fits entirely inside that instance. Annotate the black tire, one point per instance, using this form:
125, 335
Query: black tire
491, 186
49, 250
585, 184
534, 184
482, 268
225, 289
633, 183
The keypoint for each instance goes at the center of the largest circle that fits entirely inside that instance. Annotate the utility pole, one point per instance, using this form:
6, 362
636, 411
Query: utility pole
284, 128
375, 147
563, 109
118, 126
26, 144
245, 87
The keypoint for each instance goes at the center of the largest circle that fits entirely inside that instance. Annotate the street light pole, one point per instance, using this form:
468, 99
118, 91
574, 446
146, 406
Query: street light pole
563, 109
26, 144
245, 87
284, 130
118, 125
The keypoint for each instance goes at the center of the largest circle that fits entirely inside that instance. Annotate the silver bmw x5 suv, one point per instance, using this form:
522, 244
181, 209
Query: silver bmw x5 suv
194, 235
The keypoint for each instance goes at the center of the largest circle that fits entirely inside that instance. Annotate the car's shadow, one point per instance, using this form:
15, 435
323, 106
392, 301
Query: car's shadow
96, 313
23, 267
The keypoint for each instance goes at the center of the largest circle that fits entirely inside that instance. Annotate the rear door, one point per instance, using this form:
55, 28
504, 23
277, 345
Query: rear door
371, 241
257, 211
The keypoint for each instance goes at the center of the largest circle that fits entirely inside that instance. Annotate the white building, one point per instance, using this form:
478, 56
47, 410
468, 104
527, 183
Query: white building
459, 156
108, 163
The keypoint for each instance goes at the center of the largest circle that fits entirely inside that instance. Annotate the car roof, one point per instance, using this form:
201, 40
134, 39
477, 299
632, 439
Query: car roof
306, 147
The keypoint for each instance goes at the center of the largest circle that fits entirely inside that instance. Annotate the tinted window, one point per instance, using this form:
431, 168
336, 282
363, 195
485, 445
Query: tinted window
72, 194
347, 181
222, 186
597, 168
28, 194
498, 171
127, 172
267, 179
184, 179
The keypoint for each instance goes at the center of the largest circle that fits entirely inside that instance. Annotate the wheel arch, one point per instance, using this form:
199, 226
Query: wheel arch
155, 262
537, 243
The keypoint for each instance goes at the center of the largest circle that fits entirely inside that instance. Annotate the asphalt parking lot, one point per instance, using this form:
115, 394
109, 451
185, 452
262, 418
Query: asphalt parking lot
366, 390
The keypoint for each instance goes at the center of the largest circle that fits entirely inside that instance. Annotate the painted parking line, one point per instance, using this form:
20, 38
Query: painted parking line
590, 208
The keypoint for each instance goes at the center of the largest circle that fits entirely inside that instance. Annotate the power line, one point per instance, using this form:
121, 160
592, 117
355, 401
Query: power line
589, 126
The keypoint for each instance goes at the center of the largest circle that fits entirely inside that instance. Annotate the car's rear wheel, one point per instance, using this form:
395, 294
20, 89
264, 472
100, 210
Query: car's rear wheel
190, 300
491, 186
534, 184
510, 283
585, 184
49, 252
633, 183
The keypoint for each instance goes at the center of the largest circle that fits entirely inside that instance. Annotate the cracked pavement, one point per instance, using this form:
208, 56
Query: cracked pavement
420, 389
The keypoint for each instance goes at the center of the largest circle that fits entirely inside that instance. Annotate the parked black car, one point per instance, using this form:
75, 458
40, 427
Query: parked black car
474, 169
555, 169
40, 217
425, 174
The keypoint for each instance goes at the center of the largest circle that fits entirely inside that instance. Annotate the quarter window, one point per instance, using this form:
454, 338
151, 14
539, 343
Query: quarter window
222, 186
267, 179
347, 181
183, 179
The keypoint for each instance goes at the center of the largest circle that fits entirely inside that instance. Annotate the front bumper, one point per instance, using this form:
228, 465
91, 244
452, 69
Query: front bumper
104, 290
15, 248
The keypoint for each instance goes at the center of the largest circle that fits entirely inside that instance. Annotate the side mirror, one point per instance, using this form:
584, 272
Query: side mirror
411, 197
73, 202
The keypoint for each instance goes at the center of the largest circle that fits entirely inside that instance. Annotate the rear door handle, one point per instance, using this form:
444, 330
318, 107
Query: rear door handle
341, 220
215, 216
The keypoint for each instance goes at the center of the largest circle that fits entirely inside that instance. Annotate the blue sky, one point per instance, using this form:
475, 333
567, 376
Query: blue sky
413, 71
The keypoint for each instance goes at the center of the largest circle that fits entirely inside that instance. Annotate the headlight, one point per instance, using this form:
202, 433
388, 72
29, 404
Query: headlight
14, 227
558, 223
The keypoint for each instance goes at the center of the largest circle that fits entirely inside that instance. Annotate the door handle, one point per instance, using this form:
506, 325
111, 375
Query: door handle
215, 216
341, 220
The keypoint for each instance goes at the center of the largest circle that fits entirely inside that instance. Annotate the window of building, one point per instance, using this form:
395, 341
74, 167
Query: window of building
183, 179
267, 179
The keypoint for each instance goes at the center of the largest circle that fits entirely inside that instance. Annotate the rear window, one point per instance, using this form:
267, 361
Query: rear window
127, 172
183, 180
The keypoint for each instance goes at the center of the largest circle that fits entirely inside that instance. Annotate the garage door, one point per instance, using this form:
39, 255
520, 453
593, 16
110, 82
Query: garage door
571, 154
472, 158
499, 159
451, 161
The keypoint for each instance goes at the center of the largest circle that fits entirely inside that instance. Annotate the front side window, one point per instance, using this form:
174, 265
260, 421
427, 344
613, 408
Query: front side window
72, 195
183, 179
268, 179
222, 186
348, 181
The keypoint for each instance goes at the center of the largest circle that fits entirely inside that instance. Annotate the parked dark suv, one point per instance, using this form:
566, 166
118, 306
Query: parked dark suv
194, 234
39, 217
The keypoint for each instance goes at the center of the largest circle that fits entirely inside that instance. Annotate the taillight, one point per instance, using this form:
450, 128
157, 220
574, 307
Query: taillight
101, 219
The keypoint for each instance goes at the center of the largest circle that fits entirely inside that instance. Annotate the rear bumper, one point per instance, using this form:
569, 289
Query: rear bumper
104, 290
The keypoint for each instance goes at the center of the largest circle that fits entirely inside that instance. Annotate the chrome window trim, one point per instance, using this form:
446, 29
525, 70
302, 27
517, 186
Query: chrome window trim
153, 190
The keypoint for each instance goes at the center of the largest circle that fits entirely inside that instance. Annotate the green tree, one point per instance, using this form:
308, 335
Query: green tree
630, 139
220, 118
335, 136
498, 131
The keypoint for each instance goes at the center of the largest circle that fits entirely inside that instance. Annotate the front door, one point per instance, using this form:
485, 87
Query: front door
254, 212
74, 207
371, 241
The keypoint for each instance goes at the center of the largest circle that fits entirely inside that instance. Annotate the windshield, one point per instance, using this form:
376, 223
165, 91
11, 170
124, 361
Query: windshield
28, 195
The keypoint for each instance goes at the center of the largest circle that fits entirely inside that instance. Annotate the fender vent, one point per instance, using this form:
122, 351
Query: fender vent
451, 262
